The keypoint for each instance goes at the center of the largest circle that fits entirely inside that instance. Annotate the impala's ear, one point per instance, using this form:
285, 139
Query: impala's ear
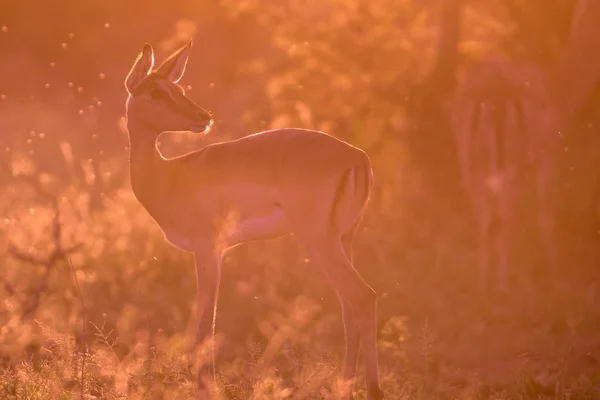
174, 66
141, 68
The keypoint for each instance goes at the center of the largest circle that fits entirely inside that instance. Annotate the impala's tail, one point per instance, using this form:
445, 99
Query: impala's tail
363, 181
352, 195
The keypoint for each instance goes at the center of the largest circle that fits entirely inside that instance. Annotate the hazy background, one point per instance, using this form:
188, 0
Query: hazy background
376, 73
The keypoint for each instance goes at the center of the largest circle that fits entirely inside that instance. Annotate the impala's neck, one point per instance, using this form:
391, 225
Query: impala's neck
147, 168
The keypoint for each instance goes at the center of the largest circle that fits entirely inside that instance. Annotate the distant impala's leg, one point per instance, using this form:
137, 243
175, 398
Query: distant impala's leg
469, 126
546, 200
482, 213
208, 275
506, 213
351, 328
506, 123
484, 235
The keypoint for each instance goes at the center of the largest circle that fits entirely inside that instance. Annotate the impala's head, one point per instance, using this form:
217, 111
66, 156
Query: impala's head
156, 101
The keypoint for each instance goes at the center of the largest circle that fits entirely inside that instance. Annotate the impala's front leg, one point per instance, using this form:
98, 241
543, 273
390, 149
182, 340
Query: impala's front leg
208, 274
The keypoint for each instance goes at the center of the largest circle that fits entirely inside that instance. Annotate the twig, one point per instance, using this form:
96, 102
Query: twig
105, 339
8, 287
83, 330
59, 253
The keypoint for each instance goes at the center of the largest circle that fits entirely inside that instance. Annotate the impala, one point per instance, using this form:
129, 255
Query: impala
505, 124
262, 186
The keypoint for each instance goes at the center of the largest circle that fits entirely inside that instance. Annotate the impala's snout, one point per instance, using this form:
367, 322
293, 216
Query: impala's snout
206, 117
198, 119
208, 126
204, 121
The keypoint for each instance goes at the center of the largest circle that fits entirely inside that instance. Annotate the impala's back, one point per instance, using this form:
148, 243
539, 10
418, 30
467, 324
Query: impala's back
272, 173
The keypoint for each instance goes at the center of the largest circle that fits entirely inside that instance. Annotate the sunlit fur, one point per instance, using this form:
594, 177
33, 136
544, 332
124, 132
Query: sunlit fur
158, 97
262, 186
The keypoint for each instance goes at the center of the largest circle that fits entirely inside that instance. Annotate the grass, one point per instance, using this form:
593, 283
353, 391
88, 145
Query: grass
279, 325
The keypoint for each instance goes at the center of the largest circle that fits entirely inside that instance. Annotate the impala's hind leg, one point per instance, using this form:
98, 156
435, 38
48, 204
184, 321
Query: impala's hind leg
485, 233
506, 208
329, 255
351, 328
334, 207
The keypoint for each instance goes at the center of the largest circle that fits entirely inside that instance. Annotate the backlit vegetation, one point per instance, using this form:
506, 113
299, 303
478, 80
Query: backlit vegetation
88, 283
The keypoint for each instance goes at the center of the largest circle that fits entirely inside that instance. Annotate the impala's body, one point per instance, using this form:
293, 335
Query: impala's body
506, 128
262, 186
250, 191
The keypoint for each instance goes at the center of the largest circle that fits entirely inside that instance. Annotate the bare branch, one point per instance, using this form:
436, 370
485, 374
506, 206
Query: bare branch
8, 287
58, 254
23, 256
37, 294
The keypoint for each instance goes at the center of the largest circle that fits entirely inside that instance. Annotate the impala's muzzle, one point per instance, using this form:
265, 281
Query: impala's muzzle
202, 127
201, 119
